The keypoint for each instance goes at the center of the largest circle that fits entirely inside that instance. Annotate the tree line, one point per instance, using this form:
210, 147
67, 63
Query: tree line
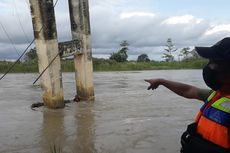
185, 53
170, 50
121, 55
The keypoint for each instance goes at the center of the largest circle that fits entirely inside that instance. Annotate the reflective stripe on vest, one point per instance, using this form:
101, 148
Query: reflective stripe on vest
213, 97
214, 120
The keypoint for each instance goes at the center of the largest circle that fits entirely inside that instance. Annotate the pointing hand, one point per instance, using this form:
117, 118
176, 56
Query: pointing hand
154, 83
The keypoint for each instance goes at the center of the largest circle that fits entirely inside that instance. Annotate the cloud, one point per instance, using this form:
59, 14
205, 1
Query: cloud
184, 19
150, 30
218, 28
136, 14
111, 23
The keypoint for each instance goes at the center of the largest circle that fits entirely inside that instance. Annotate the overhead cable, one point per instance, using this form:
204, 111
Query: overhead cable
11, 41
12, 66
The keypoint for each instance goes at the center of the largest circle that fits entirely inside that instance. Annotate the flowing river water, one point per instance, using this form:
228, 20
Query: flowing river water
124, 118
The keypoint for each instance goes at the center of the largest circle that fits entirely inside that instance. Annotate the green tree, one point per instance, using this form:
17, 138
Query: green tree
31, 55
185, 53
143, 58
121, 55
193, 54
170, 48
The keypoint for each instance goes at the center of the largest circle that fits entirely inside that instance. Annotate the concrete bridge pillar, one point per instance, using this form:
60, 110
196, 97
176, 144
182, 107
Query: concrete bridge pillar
45, 33
80, 27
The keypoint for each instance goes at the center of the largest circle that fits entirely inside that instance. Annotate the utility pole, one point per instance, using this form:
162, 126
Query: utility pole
80, 27
45, 34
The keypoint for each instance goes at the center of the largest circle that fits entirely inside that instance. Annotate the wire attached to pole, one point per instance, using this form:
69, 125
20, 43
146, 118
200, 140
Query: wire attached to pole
11, 41
16, 61
46, 68
12, 66
20, 23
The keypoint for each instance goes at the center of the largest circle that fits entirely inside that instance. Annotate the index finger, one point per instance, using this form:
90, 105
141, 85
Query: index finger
146, 80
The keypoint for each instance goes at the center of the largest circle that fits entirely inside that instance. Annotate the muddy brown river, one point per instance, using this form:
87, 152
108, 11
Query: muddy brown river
125, 117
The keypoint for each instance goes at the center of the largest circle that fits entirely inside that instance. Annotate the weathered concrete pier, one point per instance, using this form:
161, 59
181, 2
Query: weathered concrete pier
47, 49
45, 33
80, 27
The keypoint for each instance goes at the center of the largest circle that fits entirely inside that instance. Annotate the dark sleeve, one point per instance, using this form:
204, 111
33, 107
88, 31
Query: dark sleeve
204, 94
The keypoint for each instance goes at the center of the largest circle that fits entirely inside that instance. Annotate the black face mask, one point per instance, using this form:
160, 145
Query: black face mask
210, 78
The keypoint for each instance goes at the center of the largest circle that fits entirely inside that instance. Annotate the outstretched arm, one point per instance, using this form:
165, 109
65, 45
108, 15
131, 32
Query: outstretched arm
181, 89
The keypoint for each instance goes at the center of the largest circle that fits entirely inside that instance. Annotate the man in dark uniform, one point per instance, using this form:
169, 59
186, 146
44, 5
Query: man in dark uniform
210, 133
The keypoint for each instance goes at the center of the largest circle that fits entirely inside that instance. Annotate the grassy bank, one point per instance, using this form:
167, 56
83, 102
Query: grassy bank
107, 65
126, 66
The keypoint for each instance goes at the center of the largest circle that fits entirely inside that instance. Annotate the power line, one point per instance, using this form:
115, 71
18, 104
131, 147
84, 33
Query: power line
55, 4
11, 41
20, 23
46, 68
27, 3
16, 60
12, 66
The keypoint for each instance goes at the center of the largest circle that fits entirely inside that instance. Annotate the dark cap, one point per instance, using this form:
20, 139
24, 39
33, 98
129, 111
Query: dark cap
219, 51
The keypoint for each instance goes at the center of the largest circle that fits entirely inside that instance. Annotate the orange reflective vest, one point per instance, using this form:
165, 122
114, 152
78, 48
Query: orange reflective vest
214, 120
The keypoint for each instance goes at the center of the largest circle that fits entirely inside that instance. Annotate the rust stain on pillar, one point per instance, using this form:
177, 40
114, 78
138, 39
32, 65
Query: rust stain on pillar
80, 27
45, 33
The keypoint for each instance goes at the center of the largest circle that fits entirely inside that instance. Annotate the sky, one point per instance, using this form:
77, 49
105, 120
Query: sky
145, 24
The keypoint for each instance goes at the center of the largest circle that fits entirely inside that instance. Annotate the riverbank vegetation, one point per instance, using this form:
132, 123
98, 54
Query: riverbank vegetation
108, 65
118, 61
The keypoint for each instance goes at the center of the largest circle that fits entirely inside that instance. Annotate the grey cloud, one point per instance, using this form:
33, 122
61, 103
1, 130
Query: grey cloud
109, 30
9, 52
144, 33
